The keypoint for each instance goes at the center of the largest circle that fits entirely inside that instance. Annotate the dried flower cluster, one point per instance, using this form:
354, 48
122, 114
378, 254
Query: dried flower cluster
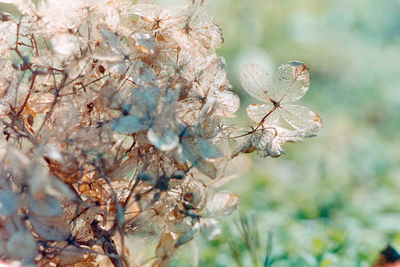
112, 121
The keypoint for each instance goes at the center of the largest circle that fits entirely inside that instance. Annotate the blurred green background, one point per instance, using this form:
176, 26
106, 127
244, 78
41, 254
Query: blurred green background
333, 200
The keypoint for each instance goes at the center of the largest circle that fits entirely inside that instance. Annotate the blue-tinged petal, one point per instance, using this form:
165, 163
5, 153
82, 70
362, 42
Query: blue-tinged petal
129, 124
8, 202
49, 206
172, 96
189, 235
143, 74
207, 149
191, 153
145, 100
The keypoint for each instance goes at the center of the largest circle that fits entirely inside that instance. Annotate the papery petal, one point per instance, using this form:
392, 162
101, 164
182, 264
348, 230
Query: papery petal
49, 206
257, 112
254, 79
118, 67
229, 102
152, 13
163, 138
60, 16
113, 18
165, 246
274, 148
65, 44
290, 82
113, 41
301, 118
207, 149
8, 202
186, 237
129, 124
145, 42
50, 228
191, 152
208, 121
222, 204
202, 29
144, 75
22, 245
210, 229
145, 100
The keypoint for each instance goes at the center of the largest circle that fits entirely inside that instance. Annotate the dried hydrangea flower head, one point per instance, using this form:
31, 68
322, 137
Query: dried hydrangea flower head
113, 121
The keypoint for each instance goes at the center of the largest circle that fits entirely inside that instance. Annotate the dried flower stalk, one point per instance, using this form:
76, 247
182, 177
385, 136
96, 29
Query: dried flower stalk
113, 126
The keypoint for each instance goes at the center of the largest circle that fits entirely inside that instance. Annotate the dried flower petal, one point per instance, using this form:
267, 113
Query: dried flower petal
222, 204
50, 228
8, 202
22, 246
65, 44
163, 138
49, 206
145, 42
229, 101
207, 149
210, 229
193, 154
301, 118
254, 80
129, 124
186, 237
290, 82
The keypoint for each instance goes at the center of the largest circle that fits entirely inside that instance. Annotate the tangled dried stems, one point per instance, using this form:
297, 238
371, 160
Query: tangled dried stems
113, 121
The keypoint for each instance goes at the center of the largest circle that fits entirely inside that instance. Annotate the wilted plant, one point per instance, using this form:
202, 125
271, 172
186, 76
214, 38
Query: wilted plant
113, 126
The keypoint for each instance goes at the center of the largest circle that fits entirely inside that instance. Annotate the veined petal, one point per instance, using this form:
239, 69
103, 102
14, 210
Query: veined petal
290, 82
301, 118
257, 112
222, 204
229, 101
254, 80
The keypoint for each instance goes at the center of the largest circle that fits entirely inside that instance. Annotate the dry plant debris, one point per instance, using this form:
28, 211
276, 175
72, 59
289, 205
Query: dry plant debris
113, 121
